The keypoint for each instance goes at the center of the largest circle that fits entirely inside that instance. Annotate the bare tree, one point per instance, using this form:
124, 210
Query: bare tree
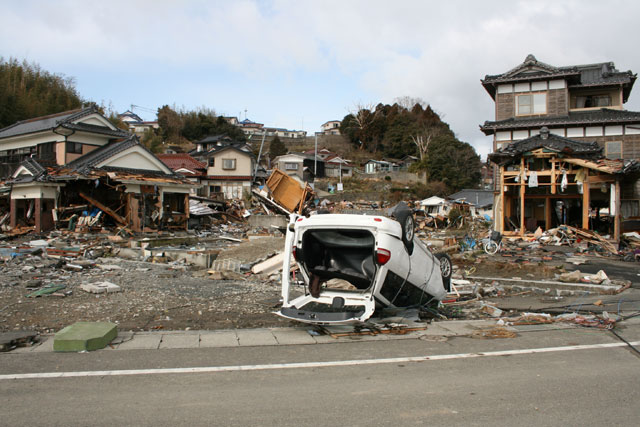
408, 102
424, 137
363, 117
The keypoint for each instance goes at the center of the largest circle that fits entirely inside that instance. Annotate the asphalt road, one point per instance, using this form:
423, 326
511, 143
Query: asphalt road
615, 269
595, 385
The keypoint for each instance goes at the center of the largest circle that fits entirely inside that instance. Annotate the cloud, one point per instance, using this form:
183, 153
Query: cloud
371, 51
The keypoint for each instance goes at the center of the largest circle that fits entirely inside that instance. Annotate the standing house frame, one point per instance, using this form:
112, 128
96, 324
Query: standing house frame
548, 180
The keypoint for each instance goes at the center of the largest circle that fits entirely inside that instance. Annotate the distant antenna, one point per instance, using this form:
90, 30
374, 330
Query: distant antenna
245, 113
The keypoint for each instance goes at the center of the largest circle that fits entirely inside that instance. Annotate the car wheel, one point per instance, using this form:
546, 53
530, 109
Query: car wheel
408, 229
446, 270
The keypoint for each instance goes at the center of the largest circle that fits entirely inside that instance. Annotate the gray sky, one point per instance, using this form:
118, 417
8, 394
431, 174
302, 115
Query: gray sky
297, 64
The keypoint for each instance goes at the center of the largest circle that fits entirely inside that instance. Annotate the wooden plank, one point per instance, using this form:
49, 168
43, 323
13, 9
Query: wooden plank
586, 201
522, 193
554, 178
502, 212
617, 222
547, 213
103, 208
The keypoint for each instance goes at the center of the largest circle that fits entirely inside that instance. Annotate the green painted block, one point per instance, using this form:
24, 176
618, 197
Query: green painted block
83, 336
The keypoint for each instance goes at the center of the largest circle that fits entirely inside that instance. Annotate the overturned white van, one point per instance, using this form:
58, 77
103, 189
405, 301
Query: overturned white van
349, 265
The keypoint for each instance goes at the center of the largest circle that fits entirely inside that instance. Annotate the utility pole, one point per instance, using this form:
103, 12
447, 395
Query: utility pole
315, 160
255, 172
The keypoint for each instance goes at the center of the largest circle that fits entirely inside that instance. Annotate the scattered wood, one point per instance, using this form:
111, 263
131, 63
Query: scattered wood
108, 211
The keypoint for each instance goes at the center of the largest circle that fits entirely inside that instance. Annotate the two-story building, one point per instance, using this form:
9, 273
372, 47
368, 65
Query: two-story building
332, 127
230, 171
56, 139
564, 147
304, 166
581, 102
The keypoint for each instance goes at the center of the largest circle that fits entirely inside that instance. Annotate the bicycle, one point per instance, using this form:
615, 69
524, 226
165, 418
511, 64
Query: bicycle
493, 243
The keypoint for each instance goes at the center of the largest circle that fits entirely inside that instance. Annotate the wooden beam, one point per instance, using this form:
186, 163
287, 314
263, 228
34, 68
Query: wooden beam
103, 208
617, 222
547, 213
586, 201
502, 212
522, 192
553, 177
601, 178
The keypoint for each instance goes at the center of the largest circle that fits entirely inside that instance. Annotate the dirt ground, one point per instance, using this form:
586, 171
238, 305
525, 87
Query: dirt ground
154, 296
176, 296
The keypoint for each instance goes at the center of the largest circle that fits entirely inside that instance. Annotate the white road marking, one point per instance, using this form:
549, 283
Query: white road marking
213, 369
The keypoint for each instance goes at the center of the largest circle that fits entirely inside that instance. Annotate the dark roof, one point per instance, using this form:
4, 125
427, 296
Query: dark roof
131, 114
241, 147
586, 75
33, 166
213, 138
64, 119
595, 117
478, 198
551, 142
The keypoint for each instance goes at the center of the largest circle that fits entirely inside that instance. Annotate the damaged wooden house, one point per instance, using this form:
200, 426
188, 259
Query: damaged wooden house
548, 180
75, 169
565, 148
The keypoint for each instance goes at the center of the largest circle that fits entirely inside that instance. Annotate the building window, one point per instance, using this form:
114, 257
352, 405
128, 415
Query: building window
593, 101
46, 151
535, 103
291, 166
215, 189
613, 149
212, 162
74, 148
229, 164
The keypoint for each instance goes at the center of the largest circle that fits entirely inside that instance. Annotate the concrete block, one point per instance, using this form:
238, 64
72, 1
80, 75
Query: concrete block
100, 287
219, 339
251, 337
180, 341
292, 336
85, 336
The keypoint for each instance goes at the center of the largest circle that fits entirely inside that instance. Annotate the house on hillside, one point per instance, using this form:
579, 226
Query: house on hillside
580, 108
187, 166
375, 166
136, 124
332, 127
304, 166
336, 166
230, 171
56, 139
212, 141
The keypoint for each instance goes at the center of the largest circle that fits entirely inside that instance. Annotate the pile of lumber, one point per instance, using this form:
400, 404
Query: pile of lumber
593, 239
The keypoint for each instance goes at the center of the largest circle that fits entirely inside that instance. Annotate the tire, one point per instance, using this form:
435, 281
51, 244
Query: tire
405, 218
446, 270
491, 247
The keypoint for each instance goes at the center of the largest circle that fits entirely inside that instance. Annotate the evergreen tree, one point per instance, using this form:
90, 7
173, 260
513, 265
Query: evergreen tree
27, 91
276, 148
